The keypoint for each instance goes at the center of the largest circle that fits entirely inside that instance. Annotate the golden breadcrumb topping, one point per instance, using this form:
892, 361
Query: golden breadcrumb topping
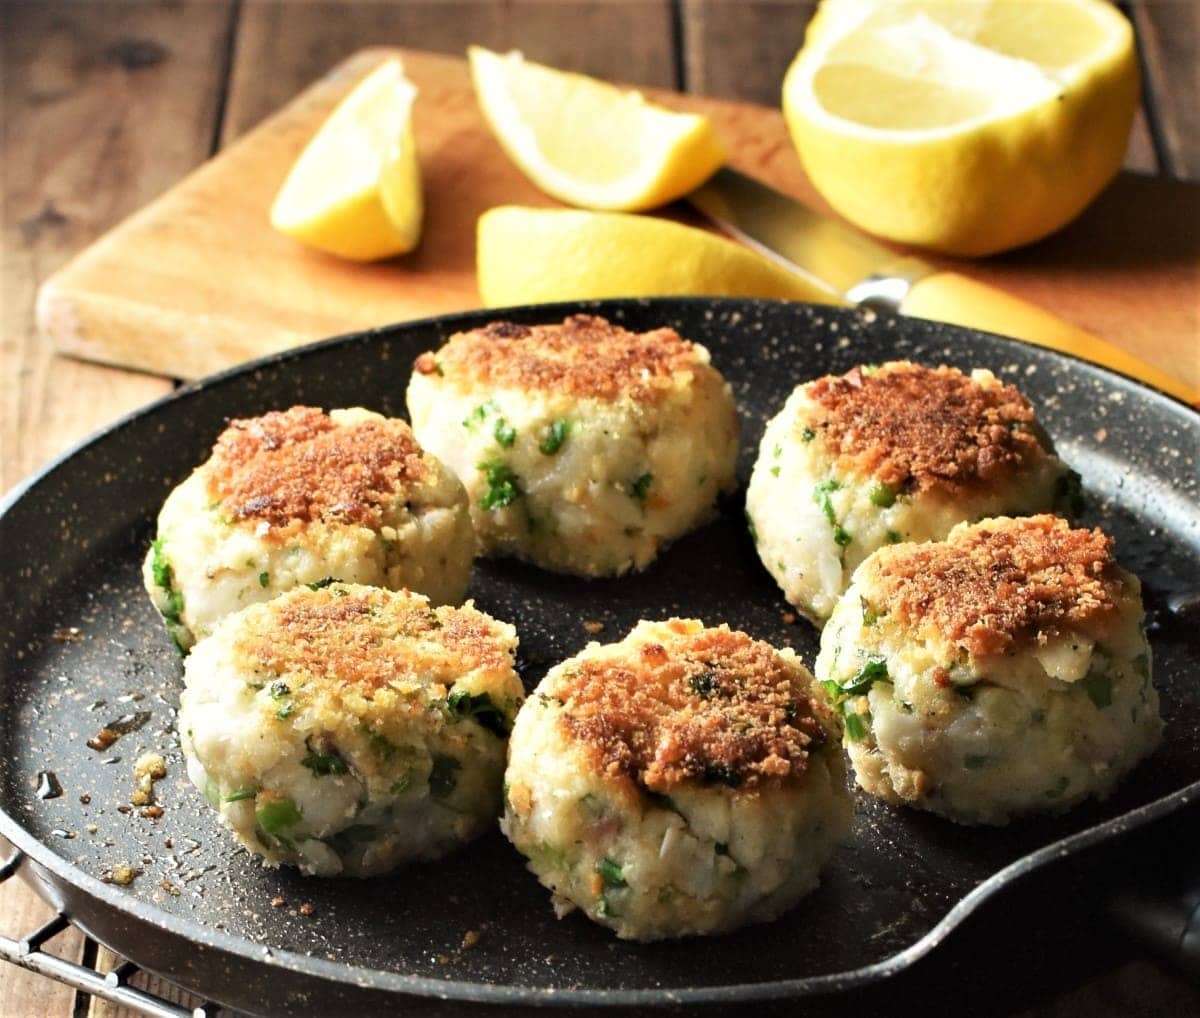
365, 639
585, 356
1000, 585
292, 467
915, 428
711, 706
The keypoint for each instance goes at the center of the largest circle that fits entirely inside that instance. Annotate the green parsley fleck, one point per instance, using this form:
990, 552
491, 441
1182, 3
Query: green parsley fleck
263, 579
874, 670
882, 495
807, 435
504, 433
704, 683
479, 707
856, 726
610, 872
160, 567
640, 487
324, 764
555, 435
503, 485
477, 416
821, 496
240, 794
276, 814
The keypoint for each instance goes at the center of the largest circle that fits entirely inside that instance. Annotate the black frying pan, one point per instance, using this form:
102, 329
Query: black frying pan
201, 911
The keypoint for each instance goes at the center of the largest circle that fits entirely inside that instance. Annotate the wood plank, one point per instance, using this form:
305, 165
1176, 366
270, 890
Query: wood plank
104, 105
741, 50
283, 46
1169, 36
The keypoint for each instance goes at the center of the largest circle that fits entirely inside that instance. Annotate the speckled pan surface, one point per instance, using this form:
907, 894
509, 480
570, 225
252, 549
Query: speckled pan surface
80, 646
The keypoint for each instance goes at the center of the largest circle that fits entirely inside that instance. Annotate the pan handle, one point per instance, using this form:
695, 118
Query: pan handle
1159, 907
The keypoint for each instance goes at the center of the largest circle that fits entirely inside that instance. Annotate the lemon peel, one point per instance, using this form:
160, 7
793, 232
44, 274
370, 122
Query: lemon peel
531, 255
965, 126
589, 143
355, 190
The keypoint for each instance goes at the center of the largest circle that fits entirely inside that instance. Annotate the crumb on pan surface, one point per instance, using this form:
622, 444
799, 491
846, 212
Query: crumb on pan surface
685, 780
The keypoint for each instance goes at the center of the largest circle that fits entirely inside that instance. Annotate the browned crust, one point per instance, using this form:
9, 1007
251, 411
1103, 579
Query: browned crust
918, 429
292, 467
367, 638
1002, 585
585, 356
712, 707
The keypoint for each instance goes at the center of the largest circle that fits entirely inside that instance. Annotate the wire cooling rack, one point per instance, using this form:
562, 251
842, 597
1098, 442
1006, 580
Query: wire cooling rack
114, 985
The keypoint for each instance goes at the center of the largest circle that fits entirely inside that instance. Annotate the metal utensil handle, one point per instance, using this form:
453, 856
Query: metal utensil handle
26, 952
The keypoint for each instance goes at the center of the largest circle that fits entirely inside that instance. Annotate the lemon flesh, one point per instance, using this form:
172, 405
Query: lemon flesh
355, 191
588, 143
964, 126
529, 255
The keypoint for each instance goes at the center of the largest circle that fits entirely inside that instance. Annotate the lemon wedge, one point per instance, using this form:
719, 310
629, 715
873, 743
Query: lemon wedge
965, 126
531, 255
588, 143
355, 191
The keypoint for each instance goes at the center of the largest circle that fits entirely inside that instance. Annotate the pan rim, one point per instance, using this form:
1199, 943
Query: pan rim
348, 974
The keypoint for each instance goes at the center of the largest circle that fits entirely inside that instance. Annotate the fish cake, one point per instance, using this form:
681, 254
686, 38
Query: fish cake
685, 780
1002, 672
584, 448
895, 453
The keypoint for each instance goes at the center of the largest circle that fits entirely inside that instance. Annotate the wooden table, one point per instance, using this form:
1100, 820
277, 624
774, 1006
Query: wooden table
106, 104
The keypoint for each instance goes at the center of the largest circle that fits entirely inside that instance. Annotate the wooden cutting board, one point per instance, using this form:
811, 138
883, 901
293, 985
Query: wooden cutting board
198, 280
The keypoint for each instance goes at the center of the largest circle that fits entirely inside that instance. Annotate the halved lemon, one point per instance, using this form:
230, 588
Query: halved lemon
355, 190
966, 126
529, 255
589, 143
